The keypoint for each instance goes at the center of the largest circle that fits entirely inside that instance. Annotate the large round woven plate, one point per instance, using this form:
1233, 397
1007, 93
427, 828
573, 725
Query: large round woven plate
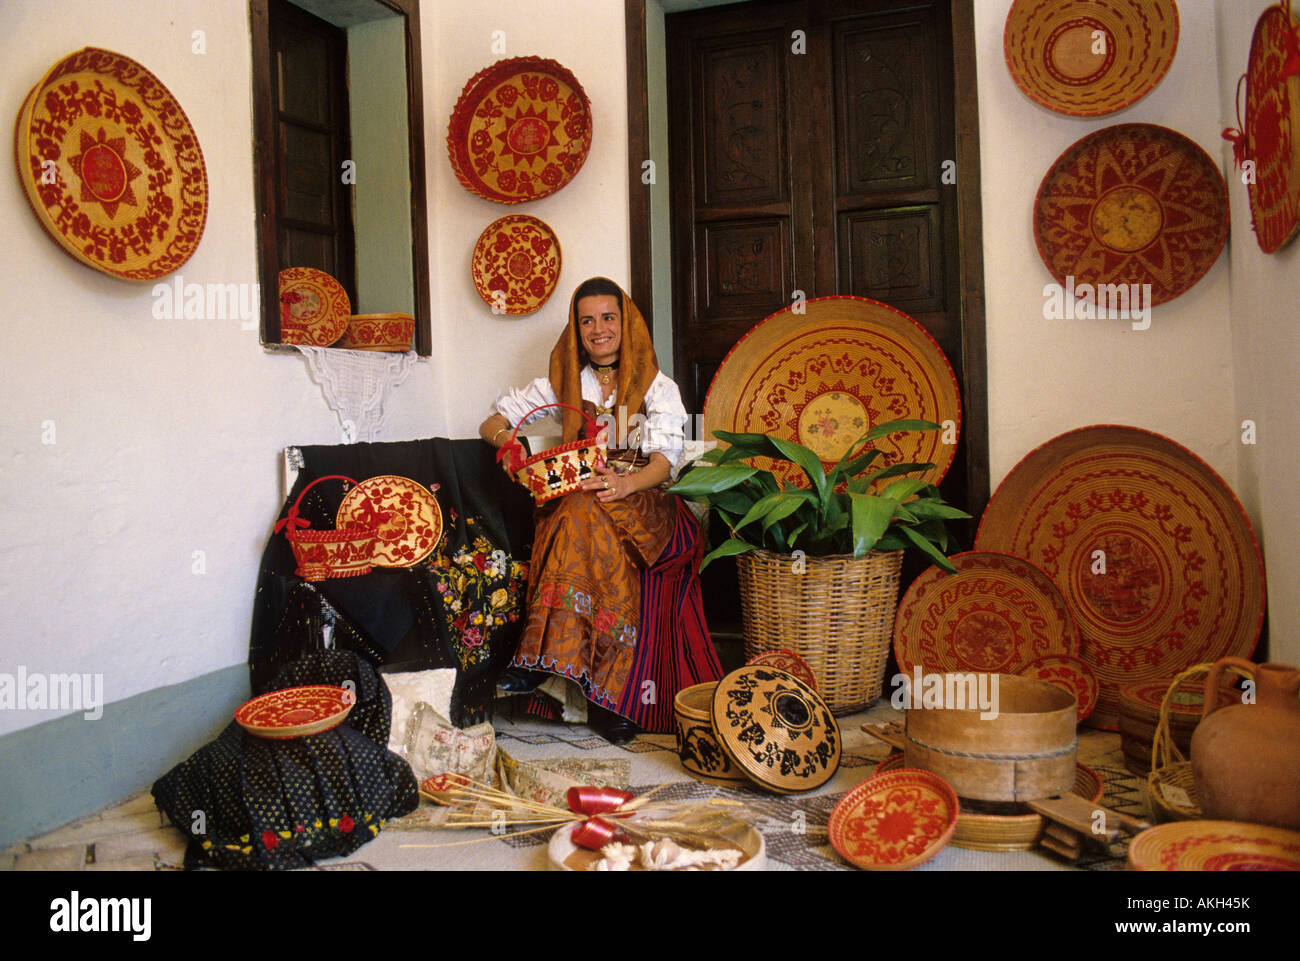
405, 512
825, 377
111, 166
787, 661
1272, 131
516, 264
314, 307
894, 821
1090, 57
996, 614
776, 729
1131, 204
1214, 846
520, 130
296, 711
1006, 832
1183, 579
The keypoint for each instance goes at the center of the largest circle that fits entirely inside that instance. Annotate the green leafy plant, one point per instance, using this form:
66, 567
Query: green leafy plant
837, 514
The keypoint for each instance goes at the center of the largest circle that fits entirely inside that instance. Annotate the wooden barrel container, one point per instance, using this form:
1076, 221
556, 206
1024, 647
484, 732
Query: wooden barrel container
1025, 753
1139, 706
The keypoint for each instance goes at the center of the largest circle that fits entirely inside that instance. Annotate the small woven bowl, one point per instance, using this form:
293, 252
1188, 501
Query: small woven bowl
388, 332
325, 554
697, 743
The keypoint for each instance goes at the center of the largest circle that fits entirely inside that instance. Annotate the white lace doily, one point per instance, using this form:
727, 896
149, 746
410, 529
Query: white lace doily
356, 384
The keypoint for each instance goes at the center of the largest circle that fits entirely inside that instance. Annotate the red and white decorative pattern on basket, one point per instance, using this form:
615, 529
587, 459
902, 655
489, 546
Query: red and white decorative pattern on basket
391, 332
555, 471
894, 821
322, 554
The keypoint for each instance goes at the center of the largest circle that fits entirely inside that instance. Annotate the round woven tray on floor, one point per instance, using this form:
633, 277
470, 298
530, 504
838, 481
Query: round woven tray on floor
838, 615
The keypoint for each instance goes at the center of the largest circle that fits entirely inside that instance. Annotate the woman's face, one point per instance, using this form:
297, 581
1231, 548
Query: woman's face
600, 324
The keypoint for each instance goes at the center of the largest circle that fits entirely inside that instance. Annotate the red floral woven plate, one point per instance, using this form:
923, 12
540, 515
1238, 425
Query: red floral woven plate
1132, 204
296, 711
1069, 674
1214, 846
1272, 128
894, 821
404, 512
516, 264
787, 661
825, 377
1156, 559
1090, 57
111, 166
520, 130
314, 307
996, 614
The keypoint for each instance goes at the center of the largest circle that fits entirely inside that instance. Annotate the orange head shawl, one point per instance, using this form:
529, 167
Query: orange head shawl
637, 364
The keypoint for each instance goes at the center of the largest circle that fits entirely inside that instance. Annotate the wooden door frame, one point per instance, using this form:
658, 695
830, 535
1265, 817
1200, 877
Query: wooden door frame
969, 222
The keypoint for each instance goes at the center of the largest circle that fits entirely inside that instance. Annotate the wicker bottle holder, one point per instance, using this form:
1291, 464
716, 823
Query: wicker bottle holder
1171, 789
838, 615
323, 554
560, 470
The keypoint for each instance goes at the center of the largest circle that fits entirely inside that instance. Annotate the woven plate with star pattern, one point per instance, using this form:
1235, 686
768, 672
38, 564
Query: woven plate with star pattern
824, 377
1090, 57
111, 166
520, 130
516, 264
1132, 204
894, 821
995, 615
1154, 554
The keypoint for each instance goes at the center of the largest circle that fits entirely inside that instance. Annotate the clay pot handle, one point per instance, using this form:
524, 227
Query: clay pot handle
1212, 680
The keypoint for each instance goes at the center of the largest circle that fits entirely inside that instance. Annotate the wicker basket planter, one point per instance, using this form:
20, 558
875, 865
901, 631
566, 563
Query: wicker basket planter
838, 615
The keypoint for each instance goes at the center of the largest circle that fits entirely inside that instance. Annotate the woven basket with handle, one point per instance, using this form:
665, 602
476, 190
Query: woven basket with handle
560, 470
322, 554
838, 615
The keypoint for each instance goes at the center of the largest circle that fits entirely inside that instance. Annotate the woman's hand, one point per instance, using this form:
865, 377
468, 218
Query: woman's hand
609, 486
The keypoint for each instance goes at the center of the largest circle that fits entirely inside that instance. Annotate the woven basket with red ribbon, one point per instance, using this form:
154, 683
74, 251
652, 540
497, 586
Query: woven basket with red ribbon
322, 554
555, 471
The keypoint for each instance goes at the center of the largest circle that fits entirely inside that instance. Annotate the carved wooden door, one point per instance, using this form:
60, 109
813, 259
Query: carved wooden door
808, 143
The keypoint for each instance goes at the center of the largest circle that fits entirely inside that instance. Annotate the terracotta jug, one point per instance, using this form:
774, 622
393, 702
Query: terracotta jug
1246, 757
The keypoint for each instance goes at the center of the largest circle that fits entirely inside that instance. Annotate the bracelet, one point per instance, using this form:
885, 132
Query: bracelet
503, 430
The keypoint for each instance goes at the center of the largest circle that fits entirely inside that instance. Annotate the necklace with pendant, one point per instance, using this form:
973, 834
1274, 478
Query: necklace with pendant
605, 374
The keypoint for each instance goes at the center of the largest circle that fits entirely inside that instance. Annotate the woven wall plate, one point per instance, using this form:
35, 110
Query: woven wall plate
111, 166
314, 307
787, 661
520, 130
1090, 57
1272, 131
1214, 846
1183, 579
404, 512
776, 729
1006, 832
1069, 674
516, 264
1131, 204
894, 821
996, 614
825, 377
389, 332
295, 711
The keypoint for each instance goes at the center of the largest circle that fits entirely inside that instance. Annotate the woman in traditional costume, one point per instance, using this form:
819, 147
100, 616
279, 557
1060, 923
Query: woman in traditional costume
613, 590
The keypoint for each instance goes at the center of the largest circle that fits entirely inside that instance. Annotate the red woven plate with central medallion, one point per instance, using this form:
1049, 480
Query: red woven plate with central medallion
296, 711
1155, 557
404, 512
825, 376
1132, 204
111, 166
520, 130
516, 264
894, 821
995, 615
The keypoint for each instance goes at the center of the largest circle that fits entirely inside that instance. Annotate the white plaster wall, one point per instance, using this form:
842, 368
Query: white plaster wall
1266, 359
1049, 376
483, 352
167, 432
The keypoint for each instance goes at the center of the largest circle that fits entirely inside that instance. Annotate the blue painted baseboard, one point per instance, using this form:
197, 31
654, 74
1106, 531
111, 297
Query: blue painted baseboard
64, 769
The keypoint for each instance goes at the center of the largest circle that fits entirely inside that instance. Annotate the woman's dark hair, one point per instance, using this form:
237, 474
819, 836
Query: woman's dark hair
598, 287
